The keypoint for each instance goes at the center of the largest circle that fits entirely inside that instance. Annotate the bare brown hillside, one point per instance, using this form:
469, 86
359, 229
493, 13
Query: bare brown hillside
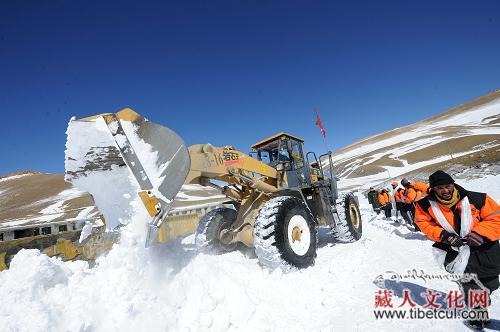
30, 197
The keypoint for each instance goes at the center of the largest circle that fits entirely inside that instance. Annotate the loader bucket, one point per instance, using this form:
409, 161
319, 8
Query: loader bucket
117, 156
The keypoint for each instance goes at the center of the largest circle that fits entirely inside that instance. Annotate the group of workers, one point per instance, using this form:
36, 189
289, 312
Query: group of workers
401, 198
465, 226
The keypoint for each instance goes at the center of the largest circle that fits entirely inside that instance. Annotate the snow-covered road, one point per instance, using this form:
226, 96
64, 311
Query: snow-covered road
172, 288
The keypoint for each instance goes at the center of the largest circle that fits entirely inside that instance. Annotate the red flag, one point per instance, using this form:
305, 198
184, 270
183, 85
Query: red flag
320, 124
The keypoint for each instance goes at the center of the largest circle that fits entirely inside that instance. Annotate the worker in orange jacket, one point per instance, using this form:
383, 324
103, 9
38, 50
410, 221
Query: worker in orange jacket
466, 228
410, 196
398, 198
384, 198
421, 188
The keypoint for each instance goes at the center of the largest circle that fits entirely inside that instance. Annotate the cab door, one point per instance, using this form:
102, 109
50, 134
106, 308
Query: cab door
300, 172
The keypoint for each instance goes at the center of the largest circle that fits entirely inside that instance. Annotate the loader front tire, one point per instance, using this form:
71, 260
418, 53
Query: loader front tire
207, 236
350, 227
285, 234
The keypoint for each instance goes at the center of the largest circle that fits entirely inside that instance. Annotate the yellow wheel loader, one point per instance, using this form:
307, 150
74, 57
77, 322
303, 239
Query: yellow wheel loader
279, 194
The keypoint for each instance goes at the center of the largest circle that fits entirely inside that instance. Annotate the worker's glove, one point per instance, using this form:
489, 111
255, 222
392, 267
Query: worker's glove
451, 239
474, 239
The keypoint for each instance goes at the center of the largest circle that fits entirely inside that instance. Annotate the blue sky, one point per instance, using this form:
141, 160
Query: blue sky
234, 72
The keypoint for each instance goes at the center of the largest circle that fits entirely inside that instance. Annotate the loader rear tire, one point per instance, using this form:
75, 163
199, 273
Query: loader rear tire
285, 234
350, 228
207, 236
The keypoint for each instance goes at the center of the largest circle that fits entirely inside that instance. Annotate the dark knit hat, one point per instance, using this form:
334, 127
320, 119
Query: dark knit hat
439, 178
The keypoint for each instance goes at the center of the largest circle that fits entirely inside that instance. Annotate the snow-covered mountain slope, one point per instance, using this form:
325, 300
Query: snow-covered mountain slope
172, 288
467, 135
29, 198
32, 198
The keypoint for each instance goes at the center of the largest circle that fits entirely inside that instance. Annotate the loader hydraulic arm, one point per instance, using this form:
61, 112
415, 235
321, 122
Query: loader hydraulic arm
231, 166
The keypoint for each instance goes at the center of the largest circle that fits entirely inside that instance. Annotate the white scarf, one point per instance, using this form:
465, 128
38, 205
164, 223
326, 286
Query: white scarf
458, 265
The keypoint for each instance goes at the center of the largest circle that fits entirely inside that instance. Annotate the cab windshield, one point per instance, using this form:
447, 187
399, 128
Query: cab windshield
281, 151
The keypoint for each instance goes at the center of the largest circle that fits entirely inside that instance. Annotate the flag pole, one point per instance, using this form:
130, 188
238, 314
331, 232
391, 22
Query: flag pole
326, 146
319, 123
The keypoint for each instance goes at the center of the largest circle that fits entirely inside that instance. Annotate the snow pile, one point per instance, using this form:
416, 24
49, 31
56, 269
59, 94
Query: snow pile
488, 184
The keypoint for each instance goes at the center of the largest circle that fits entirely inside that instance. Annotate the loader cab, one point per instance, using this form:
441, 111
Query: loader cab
285, 152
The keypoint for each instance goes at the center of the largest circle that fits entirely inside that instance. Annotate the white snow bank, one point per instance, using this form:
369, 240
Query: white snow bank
489, 184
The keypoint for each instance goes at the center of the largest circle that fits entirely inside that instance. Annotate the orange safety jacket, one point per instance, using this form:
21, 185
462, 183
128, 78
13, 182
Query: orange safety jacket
422, 187
384, 198
398, 195
485, 215
411, 195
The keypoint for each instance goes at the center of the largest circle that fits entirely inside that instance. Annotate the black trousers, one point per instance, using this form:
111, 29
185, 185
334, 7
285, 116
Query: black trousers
387, 210
491, 283
484, 261
399, 208
408, 212
376, 208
